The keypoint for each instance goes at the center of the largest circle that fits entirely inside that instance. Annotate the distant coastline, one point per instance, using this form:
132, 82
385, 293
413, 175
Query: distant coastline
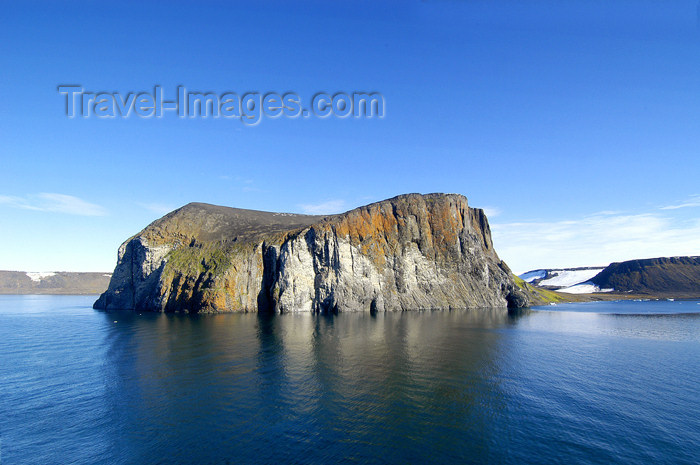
646, 279
650, 278
50, 283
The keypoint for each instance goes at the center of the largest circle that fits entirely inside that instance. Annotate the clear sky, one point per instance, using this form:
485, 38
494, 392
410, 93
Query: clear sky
576, 124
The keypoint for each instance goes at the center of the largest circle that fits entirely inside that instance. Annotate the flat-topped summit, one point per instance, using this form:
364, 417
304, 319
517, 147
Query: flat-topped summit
674, 276
205, 222
410, 252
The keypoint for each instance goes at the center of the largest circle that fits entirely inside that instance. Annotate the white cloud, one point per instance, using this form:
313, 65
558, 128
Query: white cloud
52, 202
491, 212
158, 208
608, 212
324, 208
236, 179
595, 240
62, 203
693, 201
16, 202
239, 182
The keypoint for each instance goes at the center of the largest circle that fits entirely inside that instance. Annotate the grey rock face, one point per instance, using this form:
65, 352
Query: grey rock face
135, 277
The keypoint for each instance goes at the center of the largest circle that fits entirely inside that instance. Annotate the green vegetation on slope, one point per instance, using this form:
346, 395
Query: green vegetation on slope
539, 296
193, 261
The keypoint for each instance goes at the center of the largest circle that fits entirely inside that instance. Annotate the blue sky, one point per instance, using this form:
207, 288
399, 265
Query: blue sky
576, 124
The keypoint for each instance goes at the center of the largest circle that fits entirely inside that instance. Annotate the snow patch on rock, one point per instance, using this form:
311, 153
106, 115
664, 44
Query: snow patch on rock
568, 278
583, 288
530, 276
37, 276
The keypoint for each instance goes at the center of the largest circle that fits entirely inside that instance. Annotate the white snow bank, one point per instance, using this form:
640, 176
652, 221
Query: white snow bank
568, 278
530, 276
37, 276
583, 288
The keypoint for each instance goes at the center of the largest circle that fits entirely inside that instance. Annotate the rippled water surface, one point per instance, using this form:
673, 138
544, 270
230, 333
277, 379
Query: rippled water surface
611, 382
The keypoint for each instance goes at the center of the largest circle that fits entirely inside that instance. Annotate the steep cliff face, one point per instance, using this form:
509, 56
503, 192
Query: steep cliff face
410, 252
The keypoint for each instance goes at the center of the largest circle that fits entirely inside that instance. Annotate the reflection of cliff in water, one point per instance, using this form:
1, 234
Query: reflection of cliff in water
431, 370
313, 379
165, 372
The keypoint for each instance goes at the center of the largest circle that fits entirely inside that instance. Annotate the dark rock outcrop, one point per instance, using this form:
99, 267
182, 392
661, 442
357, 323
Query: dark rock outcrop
673, 276
410, 252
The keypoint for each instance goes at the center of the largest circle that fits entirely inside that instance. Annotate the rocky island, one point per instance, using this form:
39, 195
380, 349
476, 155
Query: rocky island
410, 252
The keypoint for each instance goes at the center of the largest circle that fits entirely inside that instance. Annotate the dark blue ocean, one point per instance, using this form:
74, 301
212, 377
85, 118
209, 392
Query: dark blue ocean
608, 382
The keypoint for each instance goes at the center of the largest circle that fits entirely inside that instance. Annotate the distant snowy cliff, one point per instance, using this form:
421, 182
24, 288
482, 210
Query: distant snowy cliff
664, 276
569, 280
50, 282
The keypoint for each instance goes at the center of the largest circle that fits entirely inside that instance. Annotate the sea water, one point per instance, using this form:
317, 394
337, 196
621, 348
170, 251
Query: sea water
604, 382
